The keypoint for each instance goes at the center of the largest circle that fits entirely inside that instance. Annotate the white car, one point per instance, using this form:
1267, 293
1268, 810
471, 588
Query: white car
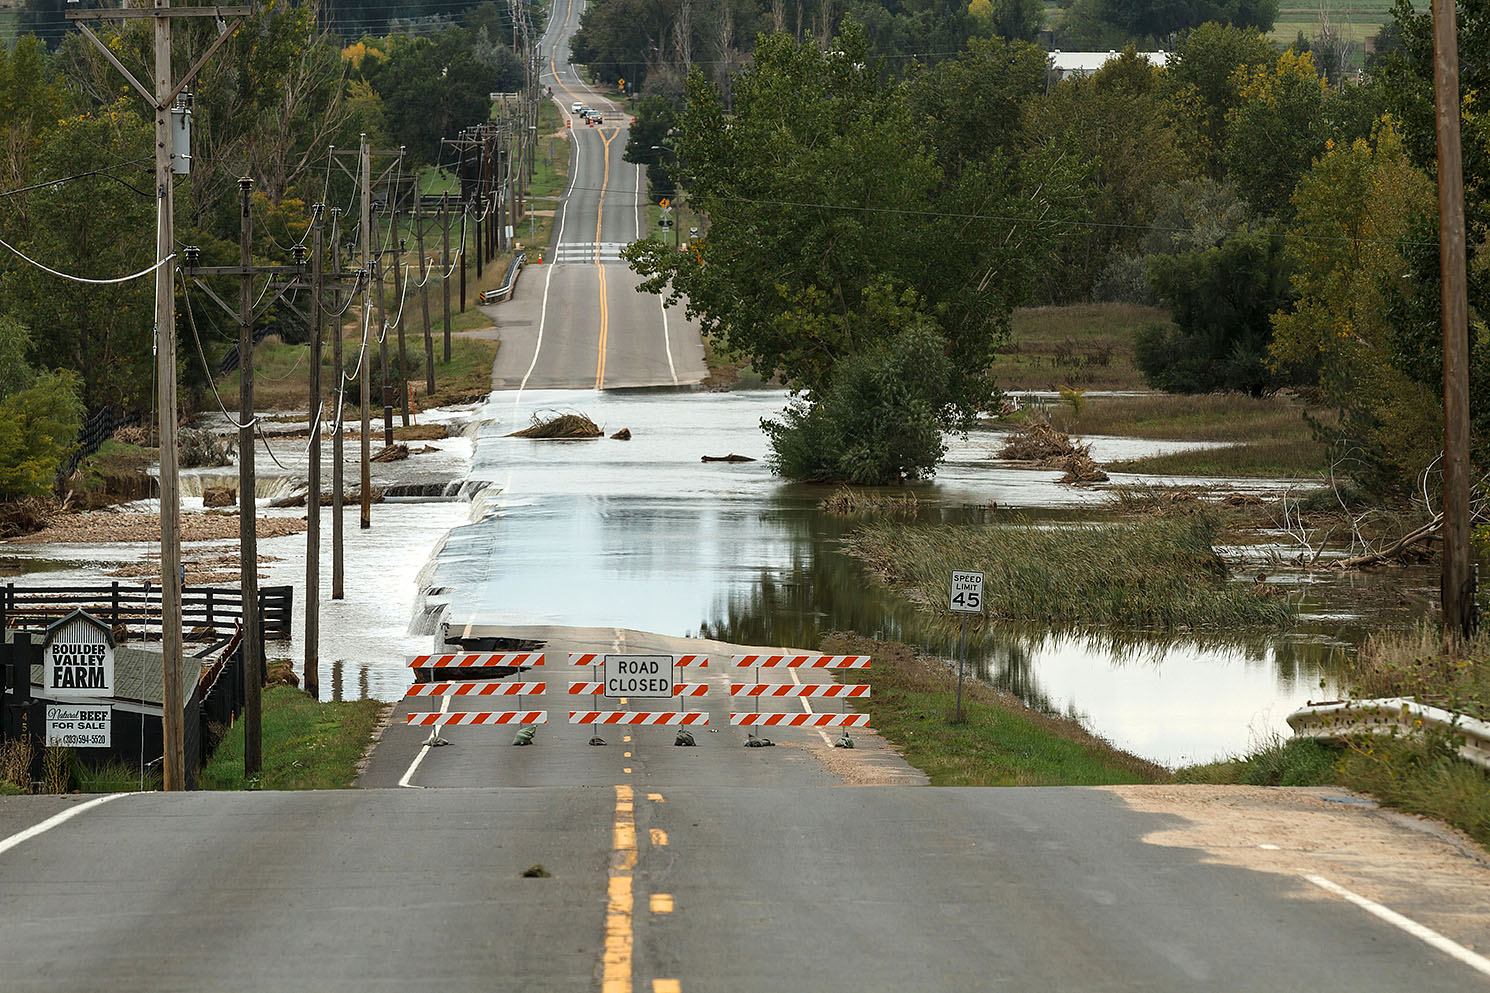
576, 107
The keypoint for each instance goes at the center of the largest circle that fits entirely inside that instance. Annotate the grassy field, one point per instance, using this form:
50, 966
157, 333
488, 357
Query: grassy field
282, 372
1266, 436
307, 745
1357, 21
1000, 742
1161, 572
1086, 346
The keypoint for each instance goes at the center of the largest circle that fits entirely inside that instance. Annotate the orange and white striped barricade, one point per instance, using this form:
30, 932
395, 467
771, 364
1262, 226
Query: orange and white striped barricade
623, 676
843, 692
457, 662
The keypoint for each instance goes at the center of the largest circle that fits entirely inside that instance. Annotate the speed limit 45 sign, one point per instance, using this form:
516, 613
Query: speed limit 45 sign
967, 593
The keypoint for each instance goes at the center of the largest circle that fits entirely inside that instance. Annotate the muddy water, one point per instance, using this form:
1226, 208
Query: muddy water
642, 534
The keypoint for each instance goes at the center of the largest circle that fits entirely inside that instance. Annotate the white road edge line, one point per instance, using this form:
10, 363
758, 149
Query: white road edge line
39, 829
1446, 945
424, 750
548, 280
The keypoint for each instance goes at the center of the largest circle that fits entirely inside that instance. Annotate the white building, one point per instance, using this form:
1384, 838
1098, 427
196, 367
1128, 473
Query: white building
1063, 64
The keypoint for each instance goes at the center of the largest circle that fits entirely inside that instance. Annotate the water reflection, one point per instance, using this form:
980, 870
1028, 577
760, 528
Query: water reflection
643, 535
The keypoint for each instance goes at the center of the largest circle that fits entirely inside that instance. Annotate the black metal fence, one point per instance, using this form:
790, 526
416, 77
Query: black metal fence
218, 609
95, 431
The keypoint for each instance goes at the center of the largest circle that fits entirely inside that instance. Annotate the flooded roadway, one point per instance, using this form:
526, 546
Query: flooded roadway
641, 534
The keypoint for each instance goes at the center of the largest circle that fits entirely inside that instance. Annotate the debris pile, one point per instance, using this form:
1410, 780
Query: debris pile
561, 426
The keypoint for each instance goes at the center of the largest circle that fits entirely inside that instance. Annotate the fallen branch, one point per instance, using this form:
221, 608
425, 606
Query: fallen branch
1427, 531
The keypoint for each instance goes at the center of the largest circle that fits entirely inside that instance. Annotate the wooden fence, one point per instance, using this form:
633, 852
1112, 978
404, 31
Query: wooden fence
219, 609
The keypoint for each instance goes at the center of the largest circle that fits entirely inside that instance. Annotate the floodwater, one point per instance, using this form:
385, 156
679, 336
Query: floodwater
642, 534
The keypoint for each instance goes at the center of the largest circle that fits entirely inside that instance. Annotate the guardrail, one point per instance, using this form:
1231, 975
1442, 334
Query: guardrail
217, 608
1339, 719
505, 290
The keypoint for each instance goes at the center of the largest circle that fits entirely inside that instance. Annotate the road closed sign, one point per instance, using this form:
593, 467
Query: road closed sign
638, 675
77, 658
79, 725
967, 593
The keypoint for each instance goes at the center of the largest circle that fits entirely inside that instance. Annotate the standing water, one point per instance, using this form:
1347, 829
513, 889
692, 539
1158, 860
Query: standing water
642, 534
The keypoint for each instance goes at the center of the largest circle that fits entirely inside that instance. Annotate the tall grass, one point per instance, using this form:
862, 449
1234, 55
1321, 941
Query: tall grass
1182, 417
1162, 572
1417, 663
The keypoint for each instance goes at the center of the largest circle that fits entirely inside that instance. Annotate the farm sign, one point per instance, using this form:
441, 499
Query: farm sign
77, 658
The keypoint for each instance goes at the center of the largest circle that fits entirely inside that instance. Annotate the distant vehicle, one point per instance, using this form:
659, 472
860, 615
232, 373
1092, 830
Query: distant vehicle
592, 115
576, 107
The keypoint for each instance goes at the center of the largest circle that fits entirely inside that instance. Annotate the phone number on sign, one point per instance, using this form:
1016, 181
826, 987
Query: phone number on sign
83, 739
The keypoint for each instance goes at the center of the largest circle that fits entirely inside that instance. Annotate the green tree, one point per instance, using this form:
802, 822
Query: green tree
1018, 20
1354, 209
1222, 300
1201, 81
38, 426
433, 87
1116, 122
821, 187
882, 417
1275, 129
103, 332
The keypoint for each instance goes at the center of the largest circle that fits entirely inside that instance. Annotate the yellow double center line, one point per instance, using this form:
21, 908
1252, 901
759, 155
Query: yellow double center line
621, 902
600, 266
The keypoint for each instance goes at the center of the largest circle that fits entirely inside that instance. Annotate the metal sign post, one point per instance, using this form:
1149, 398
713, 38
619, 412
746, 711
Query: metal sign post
965, 597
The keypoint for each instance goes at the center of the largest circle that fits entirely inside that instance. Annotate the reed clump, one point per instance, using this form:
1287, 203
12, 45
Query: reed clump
1160, 572
560, 426
849, 502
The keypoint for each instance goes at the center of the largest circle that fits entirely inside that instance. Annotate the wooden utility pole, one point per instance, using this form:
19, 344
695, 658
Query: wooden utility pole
425, 271
312, 668
338, 457
365, 170
445, 260
160, 97
464, 215
248, 545
1457, 588
398, 319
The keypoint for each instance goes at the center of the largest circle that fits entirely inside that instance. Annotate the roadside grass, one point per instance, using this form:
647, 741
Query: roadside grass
1000, 742
282, 372
114, 776
1419, 774
308, 745
1162, 572
1087, 346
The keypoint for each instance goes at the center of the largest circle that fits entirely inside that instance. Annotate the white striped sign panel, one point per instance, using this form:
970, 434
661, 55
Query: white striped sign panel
595, 688
598, 658
801, 720
799, 690
434, 717
476, 660
476, 688
636, 717
801, 661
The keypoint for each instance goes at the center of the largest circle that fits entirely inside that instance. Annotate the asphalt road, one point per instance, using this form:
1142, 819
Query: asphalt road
696, 887
577, 322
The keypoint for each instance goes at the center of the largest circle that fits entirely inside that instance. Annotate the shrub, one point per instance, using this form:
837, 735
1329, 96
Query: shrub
203, 448
37, 428
879, 421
